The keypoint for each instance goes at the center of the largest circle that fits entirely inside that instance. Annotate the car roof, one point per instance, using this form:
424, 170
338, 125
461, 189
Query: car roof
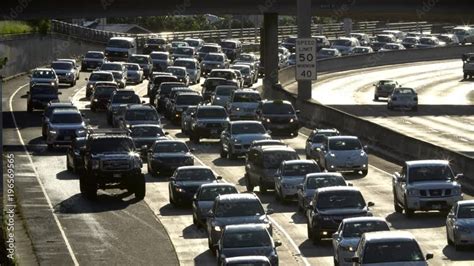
324, 174
139, 106
337, 189
245, 227
210, 107
256, 142
364, 219
301, 161
246, 91
145, 125
325, 130
159, 52
95, 52
102, 72
238, 197
240, 122
60, 104
217, 185
270, 148
342, 137
193, 167
276, 102
186, 59
222, 70
216, 54
123, 38
426, 162
241, 65
125, 90
177, 67
66, 61
240, 259
66, 111
171, 141
43, 69
465, 202
384, 236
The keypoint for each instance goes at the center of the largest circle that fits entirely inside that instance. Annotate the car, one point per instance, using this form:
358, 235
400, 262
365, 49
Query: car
208, 48
154, 87
262, 162
316, 140
118, 98
97, 76
425, 185
392, 47
214, 61
430, 42
186, 180
44, 76
114, 66
403, 98
383, 88
245, 240
250, 60
465, 34
321, 42
210, 84
234, 209
177, 44
120, 48
101, 97
381, 40
363, 38
77, 67
48, 111
411, 42
183, 52
326, 53
248, 76
74, 162
118, 115
136, 114
179, 72
247, 260
181, 102
345, 44
110, 159
312, 182
40, 95
134, 73
399, 35
63, 126
231, 48
144, 61
222, 95
449, 39
193, 68
164, 156
329, 206
290, 175
291, 59
208, 122
468, 65
204, 199
389, 248
243, 104
289, 43
145, 135
160, 60
283, 55
196, 43
239, 77
279, 116
186, 119
266, 142
344, 154
362, 50
155, 43
92, 60
65, 71
460, 224
171, 99
238, 135
120, 78
162, 93
346, 239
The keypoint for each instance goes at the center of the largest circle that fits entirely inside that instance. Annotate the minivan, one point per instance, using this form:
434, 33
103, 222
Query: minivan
120, 48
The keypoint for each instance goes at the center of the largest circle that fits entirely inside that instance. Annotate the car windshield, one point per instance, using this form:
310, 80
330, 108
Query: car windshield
101, 77
104, 91
327, 52
278, 109
248, 128
44, 74
410, 40
178, 44
360, 50
324, 181
156, 41
133, 67
119, 44
340, 200
344, 144
209, 49
253, 238
356, 229
141, 115
404, 91
393, 251
429, 173
146, 132
222, 74
224, 91
319, 138
245, 58
188, 99
229, 45
66, 118
445, 38
214, 57
391, 47
107, 67
139, 59
239, 208
94, 55
176, 71
466, 211
159, 56
342, 42
117, 75
387, 83
43, 90
62, 65
111, 145
273, 159
384, 39
211, 113
193, 43
186, 64
427, 41
290, 40
125, 98
171, 147
300, 169
195, 175
184, 50
49, 111
247, 97
165, 88
210, 193
460, 31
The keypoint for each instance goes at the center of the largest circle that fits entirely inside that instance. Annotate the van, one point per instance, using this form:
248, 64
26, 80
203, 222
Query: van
465, 34
120, 48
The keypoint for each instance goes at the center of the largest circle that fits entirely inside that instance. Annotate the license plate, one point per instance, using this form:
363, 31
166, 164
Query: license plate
213, 131
436, 206
67, 138
117, 175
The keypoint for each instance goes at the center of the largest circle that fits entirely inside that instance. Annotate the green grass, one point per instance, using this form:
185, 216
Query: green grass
14, 27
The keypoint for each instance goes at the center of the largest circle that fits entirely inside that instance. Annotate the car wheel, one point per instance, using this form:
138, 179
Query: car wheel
248, 184
316, 237
172, 202
364, 173
300, 206
88, 187
465, 76
223, 153
389, 107
50, 147
232, 156
140, 187
195, 222
415, 108
450, 242
29, 108
309, 230
263, 187
68, 165
151, 172
397, 207
376, 98
211, 246
335, 261
408, 212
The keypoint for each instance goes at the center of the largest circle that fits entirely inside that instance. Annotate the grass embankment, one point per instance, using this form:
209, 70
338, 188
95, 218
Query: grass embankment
14, 27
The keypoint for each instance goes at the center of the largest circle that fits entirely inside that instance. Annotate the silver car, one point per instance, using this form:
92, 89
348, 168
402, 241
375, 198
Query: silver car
239, 135
344, 154
460, 224
63, 126
77, 67
316, 140
403, 98
291, 175
247, 74
243, 104
222, 95
134, 73
44, 75
347, 237
193, 68
204, 199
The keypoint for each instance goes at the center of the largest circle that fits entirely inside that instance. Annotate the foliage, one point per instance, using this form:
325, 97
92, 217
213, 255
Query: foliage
14, 27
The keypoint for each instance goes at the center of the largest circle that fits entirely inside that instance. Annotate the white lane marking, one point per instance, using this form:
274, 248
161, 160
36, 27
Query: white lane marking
48, 200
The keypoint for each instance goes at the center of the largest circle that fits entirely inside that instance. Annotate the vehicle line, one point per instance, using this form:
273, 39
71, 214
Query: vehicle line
48, 200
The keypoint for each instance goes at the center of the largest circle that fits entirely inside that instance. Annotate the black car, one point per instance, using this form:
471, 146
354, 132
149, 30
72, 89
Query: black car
154, 87
170, 100
330, 205
204, 199
145, 135
40, 95
74, 160
279, 116
231, 48
208, 122
163, 93
181, 104
101, 97
186, 180
164, 156
209, 86
48, 111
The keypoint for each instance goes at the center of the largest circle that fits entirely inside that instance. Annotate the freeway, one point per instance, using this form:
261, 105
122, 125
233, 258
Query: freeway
117, 230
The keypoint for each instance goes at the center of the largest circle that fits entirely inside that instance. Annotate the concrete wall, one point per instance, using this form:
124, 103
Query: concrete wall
25, 52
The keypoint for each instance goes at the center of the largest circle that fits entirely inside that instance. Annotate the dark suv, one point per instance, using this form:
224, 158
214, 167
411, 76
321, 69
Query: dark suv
279, 116
101, 97
40, 95
109, 158
208, 122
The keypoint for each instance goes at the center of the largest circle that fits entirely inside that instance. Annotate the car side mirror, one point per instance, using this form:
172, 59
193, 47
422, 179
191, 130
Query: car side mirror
429, 256
29, 75
59, 93
299, 187
167, 133
450, 215
270, 211
210, 214
144, 147
277, 243
219, 177
195, 197
355, 260
365, 148
335, 235
370, 204
350, 184
172, 178
459, 176
297, 111
269, 132
193, 149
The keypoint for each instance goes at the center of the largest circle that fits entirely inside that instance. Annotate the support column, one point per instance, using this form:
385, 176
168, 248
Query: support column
270, 50
303, 19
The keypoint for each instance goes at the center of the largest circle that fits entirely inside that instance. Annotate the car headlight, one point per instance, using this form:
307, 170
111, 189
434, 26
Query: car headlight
178, 189
53, 83
348, 248
95, 164
332, 154
90, 86
190, 160
53, 132
200, 124
463, 229
236, 140
363, 154
218, 66
80, 132
203, 65
413, 192
325, 218
268, 120
96, 100
292, 120
217, 228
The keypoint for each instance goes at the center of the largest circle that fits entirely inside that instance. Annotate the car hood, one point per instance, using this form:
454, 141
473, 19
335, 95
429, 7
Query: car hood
247, 251
248, 138
63, 71
44, 96
93, 60
257, 219
40, 80
352, 154
350, 242
68, 126
245, 105
433, 185
115, 49
344, 212
316, 145
112, 155
210, 120
192, 184
205, 206
212, 62
139, 122
173, 155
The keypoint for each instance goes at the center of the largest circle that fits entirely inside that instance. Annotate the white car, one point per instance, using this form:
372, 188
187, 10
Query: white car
343, 154
460, 224
392, 47
405, 98
134, 73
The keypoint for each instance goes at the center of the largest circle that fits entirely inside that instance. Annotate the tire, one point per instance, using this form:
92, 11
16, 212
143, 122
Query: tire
109, 119
263, 188
376, 98
50, 147
93, 109
465, 76
140, 188
29, 108
415, 108
396, 207
408, 212
223, 153
450, 242
88, 187
295, 134
232, 156
68, 167
389, 107
211, 247
172, 202
248, 184
300, 208
364, 173
316, 237
150, 169
309, 231
195, 222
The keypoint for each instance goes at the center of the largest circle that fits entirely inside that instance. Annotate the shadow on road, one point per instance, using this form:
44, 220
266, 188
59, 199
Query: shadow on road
464, 254
323, 249
170, 210
419, 220
192, 232
66, 175
77, 204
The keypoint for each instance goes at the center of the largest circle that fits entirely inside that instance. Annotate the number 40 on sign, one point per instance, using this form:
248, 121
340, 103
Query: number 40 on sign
305, 59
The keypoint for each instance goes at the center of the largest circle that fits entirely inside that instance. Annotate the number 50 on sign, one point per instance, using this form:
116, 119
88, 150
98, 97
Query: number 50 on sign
305, 59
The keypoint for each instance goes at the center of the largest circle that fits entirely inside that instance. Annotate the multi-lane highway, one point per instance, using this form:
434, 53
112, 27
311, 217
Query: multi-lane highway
117, 230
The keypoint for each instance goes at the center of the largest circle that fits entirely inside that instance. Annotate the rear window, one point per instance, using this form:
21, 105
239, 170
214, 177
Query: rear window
209, 49
104, 90
278, 109
211, 113
344, 144
119, 44
210, 193
141, 115
229, 45
324, 181
66, 119
300, 169
466, 211
171, 147
62, 65
214, 57
159, 56
248, 128
402, 251
273, 159
95, 55
340, 199
176, 71
356, 229
101, 77
247, 97
126, 98
184, 50
239, 208
139, 59
137, 132
186, 64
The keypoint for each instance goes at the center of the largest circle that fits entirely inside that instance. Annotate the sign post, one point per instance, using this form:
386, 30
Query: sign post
305, 59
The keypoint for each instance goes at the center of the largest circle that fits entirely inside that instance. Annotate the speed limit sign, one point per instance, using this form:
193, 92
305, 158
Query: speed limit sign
305, 59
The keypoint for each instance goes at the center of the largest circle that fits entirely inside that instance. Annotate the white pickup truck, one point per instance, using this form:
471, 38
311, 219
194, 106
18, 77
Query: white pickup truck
425, 185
